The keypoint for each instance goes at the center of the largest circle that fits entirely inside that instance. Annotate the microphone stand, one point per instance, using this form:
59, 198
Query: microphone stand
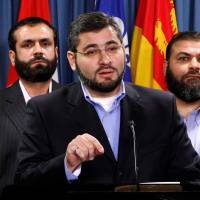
132, 124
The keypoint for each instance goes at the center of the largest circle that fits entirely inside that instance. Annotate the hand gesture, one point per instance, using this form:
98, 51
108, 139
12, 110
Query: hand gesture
82, 148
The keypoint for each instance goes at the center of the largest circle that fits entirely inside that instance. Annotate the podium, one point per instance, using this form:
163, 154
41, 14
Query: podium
160, 191
151, 187
149, 191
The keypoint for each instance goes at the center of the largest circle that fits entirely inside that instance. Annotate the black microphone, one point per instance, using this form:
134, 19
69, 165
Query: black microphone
132, 124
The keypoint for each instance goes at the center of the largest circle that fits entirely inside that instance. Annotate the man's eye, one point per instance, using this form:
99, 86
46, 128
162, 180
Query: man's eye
91, 52
112, 49
183, 58
45, 44
27, 45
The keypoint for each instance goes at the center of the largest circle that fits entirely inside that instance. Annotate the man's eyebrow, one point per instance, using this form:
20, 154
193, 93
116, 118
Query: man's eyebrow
111, 42
27, 40
32, 40
96, 46
183, 53
90, 46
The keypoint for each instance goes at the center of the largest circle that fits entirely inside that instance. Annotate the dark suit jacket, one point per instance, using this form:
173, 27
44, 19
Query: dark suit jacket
164, 151
12, 123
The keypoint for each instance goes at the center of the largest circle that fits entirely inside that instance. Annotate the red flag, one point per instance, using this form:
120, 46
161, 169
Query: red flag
155, 25
30, 8
36, 8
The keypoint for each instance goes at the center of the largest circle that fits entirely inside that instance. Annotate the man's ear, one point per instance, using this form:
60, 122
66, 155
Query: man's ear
56, 52
71, 59
12, 55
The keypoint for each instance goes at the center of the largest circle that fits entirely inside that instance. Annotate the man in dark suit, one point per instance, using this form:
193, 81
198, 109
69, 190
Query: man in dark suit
33, 52
84, 134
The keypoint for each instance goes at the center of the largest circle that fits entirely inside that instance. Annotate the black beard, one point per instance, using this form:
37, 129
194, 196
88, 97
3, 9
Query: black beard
38, 73
100, 87
188, 92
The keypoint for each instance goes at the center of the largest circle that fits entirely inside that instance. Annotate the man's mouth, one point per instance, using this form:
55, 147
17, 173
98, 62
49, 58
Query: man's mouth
193, 76
106, 72
39, 61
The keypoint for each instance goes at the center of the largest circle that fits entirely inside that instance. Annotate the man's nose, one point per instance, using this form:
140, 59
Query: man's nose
37, 48
104, 57
195, 63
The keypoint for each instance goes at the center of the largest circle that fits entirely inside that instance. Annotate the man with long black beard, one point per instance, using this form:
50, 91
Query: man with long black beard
101, 130
33, 53
183, 80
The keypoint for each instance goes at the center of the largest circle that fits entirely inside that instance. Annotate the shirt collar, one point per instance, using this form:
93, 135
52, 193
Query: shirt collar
25, 93
194, 116
197, 116
89, 98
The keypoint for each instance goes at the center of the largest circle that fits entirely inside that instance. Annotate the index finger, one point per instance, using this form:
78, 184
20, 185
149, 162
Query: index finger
98, 147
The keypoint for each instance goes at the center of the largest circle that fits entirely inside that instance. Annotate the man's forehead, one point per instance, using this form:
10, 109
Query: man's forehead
186, 46
33, 31
186, 43
98, 37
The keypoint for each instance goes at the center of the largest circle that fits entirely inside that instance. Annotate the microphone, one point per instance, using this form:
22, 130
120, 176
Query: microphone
131, 125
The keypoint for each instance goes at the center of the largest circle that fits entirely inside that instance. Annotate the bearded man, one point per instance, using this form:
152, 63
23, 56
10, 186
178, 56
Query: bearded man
33, 53
183, 80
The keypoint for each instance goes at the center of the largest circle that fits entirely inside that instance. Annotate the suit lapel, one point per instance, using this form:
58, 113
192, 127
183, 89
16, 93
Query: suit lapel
87, 119
91, 124
131, 110
15, 106
55, 85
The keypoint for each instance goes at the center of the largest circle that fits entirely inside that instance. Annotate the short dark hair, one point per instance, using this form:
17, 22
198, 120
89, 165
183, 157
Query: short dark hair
31, 21
186, 35
87, 22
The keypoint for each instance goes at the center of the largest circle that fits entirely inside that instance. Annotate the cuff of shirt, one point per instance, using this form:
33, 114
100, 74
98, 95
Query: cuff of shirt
71, 175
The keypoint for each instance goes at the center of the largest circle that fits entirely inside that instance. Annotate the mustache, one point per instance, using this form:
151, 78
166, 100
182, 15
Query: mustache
192, 72
38, 57
105, 67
